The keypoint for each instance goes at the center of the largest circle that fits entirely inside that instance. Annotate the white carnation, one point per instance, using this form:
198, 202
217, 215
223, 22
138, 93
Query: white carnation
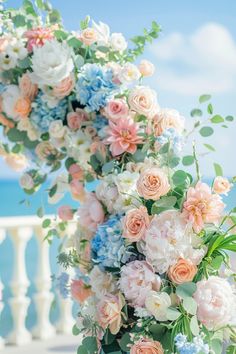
51, 63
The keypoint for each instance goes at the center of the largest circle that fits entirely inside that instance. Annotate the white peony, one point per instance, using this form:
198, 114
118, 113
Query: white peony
167, 239
102, 283
118, 42
129, 73
157, 304
51, 63
9, 99
56, 129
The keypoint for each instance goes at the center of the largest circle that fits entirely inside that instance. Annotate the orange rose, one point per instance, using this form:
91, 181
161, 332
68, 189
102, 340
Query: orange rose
27, 88
80, 291
23, 107
147, 346
183, 271
6, 122
64, 88
153, 183
136, 222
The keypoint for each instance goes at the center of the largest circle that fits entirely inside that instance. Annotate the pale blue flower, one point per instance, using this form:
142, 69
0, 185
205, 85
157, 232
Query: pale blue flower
41, 115
95, 86
63, 284
108, 244
176, 140
194, 347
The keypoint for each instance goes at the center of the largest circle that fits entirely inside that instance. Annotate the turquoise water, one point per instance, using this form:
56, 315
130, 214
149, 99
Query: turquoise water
10, 196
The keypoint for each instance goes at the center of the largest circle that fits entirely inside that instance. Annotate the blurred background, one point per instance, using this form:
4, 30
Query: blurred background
195, 54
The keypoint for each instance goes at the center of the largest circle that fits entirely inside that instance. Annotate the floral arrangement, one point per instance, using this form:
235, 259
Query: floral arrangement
152, 241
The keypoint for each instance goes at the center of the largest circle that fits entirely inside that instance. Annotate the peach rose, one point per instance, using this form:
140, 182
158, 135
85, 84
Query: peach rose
153, 183
75, 119
88, 36
64, 88
183, 271
136, 222
147, 346
143, 100
221, 185
109, 312
17, 162
146, 68
77, 190
167, 118
116, 108
80, 291
23, 107
65, 213
6, 122
27, 88
76, 171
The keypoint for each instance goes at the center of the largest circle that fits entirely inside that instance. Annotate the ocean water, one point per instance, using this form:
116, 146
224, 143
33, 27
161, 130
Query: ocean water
10, 197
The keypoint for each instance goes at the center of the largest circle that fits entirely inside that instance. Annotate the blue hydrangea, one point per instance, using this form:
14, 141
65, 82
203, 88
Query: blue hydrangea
94, 86
63, 284
175, 139
108, 244
41, 115
194, 347
100, 123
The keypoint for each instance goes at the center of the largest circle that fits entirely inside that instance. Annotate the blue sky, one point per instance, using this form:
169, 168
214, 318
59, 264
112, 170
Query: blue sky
196, 53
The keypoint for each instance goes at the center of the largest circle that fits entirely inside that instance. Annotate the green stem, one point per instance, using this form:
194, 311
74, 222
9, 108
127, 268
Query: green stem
196, 162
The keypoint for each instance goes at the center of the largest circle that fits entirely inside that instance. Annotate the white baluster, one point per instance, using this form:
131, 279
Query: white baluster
19, 302
2, 237
43, 298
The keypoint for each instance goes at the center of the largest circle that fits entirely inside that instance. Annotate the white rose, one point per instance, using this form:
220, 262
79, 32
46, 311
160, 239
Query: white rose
129, 73
146, 68
51, 63
26, 181
157, 304
9, 99
102, 282
56, 129
118, 42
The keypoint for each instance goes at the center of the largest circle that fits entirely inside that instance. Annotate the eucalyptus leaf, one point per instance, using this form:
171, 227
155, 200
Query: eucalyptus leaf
172, 314
218, 169
190, 305
206, 131
194, 326
188, 160
166, 202
46, 223
186, 290
209, 147
217, 119
179, 178
125, 342
204, 98
196, 112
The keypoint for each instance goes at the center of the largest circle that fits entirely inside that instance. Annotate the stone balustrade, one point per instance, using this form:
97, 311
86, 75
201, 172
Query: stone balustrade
20, 230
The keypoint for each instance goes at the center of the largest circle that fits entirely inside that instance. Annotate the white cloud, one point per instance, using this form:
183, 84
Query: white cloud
203, 61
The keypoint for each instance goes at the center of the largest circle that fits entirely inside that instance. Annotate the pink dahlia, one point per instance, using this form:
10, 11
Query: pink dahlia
202, 207
123, 136
37, 37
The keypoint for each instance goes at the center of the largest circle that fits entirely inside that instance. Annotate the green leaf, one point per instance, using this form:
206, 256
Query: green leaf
157, 331
40, 212
52, 191
174, 161
166, 202
164, 149
216, 346
103, 49
139, 156
46, 223
188, 160
24, 63
229, 118
218, 169
231, 349
210, 108
172, 314
82, 350
75, 330
15, 135
40, 4
190, 305
217, 119
209, 147
194, 326
54, 16
70, 161
196, 112
179, 178
74, 42
125, 341
90, 343
204, 98
186, 290
79, 61
19, 20
108, 167
60, 35
206, 131
216, 262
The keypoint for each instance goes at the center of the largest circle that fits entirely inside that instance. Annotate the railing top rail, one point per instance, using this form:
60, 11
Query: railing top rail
18, 221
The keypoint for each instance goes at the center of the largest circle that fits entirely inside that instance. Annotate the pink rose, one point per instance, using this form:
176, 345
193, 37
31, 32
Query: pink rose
77, 190
88, 36
137, 280
221, 185
147, 346
75, 119
153, 183
76, 171
143, 100
80, 291
202, 207
91, 212
109, 312
135, 223
146, 68
64, 88
116, 108
65, 213
27, 88
216, 302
